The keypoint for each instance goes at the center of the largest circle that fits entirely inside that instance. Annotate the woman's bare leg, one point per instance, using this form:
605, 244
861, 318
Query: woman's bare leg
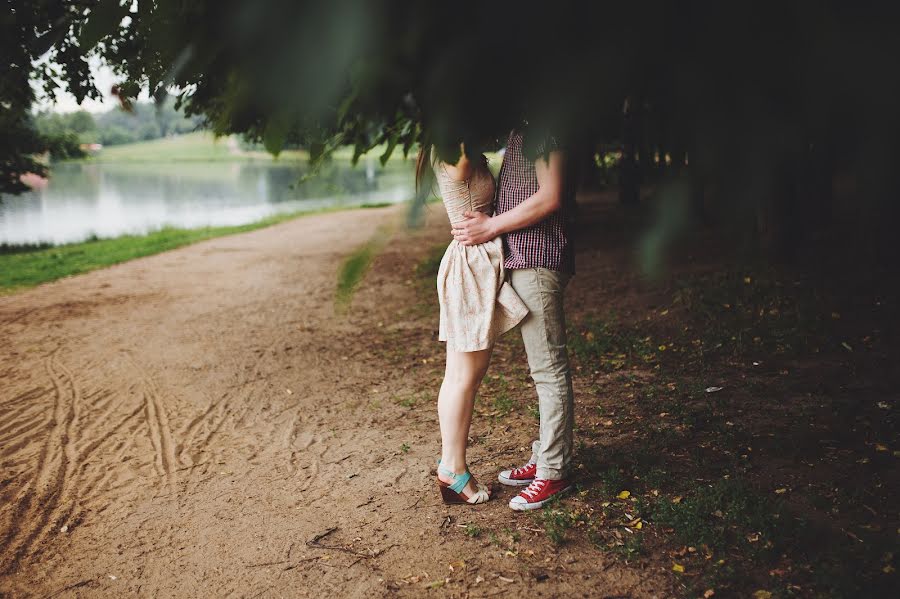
462, 377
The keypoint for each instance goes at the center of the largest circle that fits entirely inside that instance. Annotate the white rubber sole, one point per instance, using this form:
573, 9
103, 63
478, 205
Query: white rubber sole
504, 479
524, 507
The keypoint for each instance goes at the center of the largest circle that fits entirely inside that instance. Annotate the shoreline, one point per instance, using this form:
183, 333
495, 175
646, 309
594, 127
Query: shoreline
24, 266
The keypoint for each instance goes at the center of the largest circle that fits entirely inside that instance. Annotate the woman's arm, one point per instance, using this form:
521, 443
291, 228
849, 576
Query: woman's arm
462, 170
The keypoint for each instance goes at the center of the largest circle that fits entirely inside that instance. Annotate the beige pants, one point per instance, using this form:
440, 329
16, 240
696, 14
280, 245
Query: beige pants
544, 334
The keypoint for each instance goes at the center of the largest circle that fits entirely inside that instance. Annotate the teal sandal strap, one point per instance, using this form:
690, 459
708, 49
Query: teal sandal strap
459, 480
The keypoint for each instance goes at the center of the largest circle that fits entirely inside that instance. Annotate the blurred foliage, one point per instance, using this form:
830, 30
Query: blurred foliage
759, 102
114, 127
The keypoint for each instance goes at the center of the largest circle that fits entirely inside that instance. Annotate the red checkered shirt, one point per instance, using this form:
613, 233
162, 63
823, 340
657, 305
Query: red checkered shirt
546, 244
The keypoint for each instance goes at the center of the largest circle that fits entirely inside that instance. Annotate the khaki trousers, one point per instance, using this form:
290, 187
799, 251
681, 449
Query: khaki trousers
544, 334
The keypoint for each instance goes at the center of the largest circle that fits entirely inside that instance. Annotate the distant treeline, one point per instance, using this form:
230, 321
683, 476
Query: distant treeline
67, 131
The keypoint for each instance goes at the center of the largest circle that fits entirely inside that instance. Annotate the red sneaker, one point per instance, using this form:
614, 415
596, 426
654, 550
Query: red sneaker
538, 493
519, 477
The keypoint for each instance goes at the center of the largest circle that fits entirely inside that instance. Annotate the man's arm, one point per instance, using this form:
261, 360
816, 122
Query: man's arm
478, 227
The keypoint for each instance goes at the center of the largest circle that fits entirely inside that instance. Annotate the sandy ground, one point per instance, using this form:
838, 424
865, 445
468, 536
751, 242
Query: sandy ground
205, 423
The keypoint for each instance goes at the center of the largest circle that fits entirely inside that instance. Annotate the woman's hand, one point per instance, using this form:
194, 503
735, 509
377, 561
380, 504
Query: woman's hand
477, 228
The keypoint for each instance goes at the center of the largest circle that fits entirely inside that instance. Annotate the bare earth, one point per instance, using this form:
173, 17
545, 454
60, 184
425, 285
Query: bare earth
206, 423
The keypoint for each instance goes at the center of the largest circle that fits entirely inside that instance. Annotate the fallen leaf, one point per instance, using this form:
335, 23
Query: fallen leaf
708, 593
780, 491
677, 568
677, 499
713, 389
623, 495
880, 447
762, 595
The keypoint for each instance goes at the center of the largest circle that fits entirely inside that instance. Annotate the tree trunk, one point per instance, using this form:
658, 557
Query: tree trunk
629, 183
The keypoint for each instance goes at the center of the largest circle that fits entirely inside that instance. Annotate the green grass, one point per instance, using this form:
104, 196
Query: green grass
556, 520
26, 266
473, 531
355, 267
202, 146
724, 514
196, 146
427, 267
409, 401
606, 344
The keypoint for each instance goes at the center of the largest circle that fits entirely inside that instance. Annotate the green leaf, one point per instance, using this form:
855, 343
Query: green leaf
392, 143
101, 21
316, 151
359, 148
274, 136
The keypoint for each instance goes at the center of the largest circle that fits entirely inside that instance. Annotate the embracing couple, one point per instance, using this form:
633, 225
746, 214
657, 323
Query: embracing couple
508, 263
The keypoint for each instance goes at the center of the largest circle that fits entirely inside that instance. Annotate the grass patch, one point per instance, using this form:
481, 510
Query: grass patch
601, 343
727, 513
556, 520
26, 266
352, 271
355, 267
409, 401
427, 268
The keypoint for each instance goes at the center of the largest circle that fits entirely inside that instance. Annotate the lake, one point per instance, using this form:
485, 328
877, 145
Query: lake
85, 199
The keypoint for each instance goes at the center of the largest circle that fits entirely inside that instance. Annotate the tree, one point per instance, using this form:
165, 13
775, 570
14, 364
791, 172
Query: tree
746, 87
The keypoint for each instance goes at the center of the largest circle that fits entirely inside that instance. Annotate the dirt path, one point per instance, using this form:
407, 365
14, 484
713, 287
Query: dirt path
201, 423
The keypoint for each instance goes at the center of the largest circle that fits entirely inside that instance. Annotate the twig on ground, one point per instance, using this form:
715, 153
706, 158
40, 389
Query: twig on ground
302, 561
321, 535
314, 543
284, 561
371, 499
261, 592
73, 586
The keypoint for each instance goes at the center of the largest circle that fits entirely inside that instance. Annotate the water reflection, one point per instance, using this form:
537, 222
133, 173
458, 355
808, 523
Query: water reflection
113, 199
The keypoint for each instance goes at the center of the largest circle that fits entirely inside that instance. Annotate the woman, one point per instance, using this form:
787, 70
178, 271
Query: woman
477, 305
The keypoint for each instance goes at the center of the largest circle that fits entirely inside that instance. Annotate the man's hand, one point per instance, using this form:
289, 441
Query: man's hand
476, 228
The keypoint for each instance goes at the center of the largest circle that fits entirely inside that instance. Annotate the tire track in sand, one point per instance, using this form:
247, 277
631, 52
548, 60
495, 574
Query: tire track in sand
165, 460
41, 499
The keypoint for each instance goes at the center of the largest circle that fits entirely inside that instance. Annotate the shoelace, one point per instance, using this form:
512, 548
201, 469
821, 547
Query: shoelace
534, 488
521, 470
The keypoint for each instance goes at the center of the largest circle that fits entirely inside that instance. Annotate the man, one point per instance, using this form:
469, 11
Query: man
532, 200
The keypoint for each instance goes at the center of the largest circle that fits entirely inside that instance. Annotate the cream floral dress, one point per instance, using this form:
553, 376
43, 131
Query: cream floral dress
477, 303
